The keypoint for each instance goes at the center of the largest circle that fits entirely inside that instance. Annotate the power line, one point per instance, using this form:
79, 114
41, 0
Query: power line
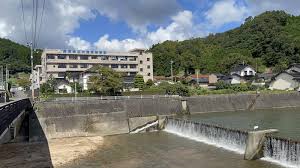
35, 22
32, 23
41, 22
24, 25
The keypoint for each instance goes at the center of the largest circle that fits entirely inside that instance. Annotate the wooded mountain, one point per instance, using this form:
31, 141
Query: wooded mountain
16, 56
271, 40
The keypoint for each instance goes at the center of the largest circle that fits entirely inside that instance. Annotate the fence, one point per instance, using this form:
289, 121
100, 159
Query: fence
9, 111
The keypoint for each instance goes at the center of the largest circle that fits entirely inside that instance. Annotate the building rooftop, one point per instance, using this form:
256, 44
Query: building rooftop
240, 67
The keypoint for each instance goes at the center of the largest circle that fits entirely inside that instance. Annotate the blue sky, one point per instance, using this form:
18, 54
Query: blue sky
125, 24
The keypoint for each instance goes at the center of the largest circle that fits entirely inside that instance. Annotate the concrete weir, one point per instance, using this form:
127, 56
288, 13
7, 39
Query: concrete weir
255, 144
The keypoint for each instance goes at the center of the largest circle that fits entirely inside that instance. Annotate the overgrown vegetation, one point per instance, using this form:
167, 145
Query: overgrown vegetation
271, 39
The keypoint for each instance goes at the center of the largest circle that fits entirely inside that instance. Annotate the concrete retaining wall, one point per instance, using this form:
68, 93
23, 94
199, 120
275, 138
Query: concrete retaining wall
97, 117
233, 102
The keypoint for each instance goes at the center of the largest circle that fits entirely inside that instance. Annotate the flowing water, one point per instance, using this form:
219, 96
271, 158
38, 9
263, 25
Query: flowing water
184, 143
227, 130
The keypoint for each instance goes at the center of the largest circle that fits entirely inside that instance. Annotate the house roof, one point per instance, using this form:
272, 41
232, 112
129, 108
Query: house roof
199, 76
240, 67
296, 76
219, 75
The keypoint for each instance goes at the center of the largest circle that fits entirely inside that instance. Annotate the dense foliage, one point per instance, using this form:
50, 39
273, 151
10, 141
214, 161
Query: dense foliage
105, 81
271, 39
17, 56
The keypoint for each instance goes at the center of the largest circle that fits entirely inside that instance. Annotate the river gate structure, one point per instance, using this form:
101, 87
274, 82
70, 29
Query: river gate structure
238, 130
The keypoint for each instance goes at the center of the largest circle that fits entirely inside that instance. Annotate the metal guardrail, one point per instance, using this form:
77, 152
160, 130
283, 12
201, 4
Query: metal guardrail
9, 111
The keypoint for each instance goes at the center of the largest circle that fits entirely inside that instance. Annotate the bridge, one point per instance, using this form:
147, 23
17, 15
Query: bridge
12, 115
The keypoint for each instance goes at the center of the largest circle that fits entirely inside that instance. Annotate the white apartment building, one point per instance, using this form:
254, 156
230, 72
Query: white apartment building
58, 63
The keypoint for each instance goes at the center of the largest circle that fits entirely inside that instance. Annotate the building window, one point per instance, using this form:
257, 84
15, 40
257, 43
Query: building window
84, 57
122, 58
61, 74
94, 57
250, 72
96, 52
50, 56
53, 66
73, 57
132, 58
141, 62
124, 66
83, 65
132, 73
62, 65
114, 66
87, 52
141, 69
132, 66
73, 66
148, 59
78, 51
149, 74
61, 57
245, 73
148, 66
92, 52
114, 58
104, 57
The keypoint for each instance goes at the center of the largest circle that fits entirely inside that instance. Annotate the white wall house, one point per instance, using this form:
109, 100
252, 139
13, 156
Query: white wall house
243, 70
285, 81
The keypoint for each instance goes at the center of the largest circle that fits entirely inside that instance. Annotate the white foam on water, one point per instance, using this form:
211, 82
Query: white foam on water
232, 141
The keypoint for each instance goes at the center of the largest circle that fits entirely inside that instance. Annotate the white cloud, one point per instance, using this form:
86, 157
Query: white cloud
5, 30
118, 45
76, 42
181, 28
258, 6
226, 11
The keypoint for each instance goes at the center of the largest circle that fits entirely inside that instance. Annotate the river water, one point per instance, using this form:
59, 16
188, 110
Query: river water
189, 145
286, 120
163, 150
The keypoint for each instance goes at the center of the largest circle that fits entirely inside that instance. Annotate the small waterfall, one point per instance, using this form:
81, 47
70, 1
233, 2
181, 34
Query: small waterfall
282, 151
233, 140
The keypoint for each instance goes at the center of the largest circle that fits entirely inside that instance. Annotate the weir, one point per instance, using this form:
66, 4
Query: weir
233, 140
278, 150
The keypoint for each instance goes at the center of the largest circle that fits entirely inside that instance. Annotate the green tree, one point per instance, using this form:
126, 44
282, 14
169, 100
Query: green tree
105, 81
149, 83
139, 82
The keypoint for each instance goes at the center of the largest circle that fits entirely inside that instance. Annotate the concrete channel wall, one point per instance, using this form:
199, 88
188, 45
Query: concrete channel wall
89, 117
67, 118
233, 102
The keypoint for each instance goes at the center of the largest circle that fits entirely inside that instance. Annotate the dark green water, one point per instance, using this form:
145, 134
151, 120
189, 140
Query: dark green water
287, 120
163, 150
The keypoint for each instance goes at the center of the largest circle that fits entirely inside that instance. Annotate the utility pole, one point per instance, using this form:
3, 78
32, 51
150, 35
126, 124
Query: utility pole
32, 74
172, 69
6, 81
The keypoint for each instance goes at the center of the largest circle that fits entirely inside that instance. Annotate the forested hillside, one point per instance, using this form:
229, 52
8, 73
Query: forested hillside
271, 39
16, 56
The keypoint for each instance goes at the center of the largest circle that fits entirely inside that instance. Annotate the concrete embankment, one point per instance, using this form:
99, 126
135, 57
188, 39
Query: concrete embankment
98, 117
234, 102
95, 117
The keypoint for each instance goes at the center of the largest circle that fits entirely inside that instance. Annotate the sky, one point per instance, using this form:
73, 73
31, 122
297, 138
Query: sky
121, 25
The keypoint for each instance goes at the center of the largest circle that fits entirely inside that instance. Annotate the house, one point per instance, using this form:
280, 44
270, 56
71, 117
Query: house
233, 79
287, 80
63, 86
214, 77
243, 70
200, 79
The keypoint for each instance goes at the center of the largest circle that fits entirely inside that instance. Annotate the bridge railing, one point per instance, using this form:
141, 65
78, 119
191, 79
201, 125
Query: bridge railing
9, 111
